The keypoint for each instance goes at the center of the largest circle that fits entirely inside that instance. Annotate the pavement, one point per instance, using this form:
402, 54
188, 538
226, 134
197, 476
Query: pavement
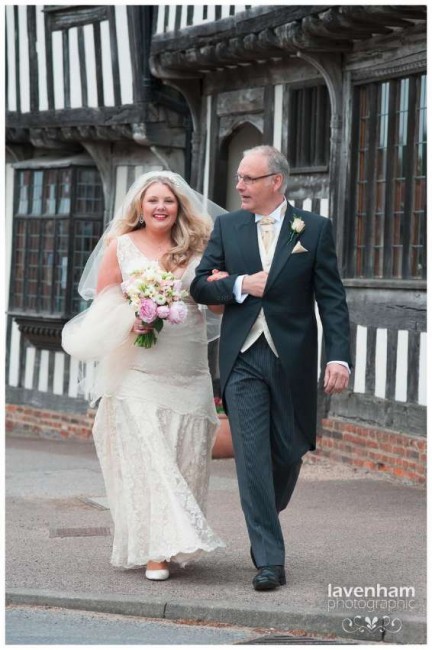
356, 550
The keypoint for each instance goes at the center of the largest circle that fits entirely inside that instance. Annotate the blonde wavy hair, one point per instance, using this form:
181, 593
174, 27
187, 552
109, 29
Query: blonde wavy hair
191, 230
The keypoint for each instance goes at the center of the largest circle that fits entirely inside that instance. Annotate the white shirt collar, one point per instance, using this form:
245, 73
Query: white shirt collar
277, 214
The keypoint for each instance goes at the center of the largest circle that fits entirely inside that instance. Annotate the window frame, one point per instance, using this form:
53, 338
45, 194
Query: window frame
72, 218
293, 152
369, 276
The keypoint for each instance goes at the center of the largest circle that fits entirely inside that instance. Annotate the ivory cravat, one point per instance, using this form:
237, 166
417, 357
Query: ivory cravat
267, 232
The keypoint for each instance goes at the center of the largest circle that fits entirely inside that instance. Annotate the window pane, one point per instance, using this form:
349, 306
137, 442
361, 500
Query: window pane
309, 127
362, 181
89, 195
41, 281
417, 262
47, 265
87, 234
32, 264
389, 215
65, 179
37, 193
17, 298
50, 192
61, 264
381, 159
24, 181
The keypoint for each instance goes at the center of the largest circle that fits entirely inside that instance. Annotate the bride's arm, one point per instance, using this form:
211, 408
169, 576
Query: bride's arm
216, 309
217, 275
109, 272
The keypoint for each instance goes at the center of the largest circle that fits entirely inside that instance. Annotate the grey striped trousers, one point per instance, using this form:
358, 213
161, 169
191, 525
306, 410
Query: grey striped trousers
267, 446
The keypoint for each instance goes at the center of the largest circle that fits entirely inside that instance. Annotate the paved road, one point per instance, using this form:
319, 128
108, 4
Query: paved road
49, 626
344, 529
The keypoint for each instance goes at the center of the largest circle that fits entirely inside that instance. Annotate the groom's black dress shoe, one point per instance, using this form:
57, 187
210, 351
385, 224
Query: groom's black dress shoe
253, 558
269, 577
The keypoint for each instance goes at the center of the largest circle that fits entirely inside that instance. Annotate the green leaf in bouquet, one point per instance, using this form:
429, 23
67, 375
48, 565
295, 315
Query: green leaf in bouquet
158, 324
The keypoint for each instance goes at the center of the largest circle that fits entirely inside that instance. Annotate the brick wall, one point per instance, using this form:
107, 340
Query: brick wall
380, 450
27, 420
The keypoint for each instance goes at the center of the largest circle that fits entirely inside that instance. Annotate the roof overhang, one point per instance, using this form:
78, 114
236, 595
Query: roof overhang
272, 32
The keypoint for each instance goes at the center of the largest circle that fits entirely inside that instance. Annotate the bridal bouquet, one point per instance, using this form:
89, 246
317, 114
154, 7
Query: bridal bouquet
156, 296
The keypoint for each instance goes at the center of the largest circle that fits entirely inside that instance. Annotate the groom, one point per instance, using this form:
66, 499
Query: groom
268, 263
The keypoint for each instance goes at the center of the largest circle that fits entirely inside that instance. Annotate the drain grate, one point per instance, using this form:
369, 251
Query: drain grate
100, 503
285, 639
101, 531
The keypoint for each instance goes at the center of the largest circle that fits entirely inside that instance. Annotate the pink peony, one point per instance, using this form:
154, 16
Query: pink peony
177, 312
163, 311
147, 310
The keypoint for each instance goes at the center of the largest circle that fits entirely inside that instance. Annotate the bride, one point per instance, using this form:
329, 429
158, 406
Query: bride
156, 421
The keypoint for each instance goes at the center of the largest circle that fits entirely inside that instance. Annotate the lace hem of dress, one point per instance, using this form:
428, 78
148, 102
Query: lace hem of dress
149, 459
182, 558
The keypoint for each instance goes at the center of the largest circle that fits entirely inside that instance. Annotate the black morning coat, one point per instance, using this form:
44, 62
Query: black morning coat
295, 281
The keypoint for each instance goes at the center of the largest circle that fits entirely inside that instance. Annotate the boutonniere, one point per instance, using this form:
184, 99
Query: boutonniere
297, 226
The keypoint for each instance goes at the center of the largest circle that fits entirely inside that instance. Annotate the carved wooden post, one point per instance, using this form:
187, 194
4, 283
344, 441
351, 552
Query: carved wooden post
330, 66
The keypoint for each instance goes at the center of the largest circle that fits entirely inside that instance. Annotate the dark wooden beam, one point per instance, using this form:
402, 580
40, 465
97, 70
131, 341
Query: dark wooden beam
377, 15
76, 116
33, 58
392, 338
341, 25
64, 17
17, 61
114, 55
413, 365
268, 114
66, 68
98, 57
370, 360
49, 62
137, 52
82, 66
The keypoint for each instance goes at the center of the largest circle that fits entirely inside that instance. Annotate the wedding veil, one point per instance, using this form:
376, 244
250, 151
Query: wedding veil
201, 206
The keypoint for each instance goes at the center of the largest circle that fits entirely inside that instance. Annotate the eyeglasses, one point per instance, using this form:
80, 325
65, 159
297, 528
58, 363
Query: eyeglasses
248, 180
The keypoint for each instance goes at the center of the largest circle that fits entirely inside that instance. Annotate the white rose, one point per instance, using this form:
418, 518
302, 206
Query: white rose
298, 225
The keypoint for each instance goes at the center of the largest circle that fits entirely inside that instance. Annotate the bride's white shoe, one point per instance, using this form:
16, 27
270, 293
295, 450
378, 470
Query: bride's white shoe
157, 571
157, 574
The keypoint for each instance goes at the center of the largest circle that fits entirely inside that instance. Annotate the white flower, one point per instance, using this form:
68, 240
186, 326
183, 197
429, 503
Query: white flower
298, 225
159, 299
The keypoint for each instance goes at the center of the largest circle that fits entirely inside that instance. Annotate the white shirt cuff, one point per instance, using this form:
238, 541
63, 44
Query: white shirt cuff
342, 363
237, 289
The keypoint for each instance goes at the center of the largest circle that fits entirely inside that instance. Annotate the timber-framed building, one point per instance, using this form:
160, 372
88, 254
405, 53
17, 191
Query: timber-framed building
98, 94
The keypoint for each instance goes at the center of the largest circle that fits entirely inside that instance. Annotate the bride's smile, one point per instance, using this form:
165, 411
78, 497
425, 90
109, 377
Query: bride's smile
159, 207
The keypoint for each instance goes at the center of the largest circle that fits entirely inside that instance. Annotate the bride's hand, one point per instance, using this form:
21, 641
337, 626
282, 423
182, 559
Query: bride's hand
139, 328
217, 275
216, 309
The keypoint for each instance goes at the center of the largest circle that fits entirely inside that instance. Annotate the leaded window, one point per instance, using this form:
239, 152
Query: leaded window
58, 219
388, 191
309, 129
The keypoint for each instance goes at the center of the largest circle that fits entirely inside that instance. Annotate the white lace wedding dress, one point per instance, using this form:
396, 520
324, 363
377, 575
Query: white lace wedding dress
154, 434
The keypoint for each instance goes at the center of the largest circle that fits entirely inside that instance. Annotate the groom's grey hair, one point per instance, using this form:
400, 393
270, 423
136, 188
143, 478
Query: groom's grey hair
276, 161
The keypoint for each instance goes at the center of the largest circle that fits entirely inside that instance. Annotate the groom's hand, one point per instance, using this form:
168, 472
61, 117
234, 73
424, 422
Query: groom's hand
255, 284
